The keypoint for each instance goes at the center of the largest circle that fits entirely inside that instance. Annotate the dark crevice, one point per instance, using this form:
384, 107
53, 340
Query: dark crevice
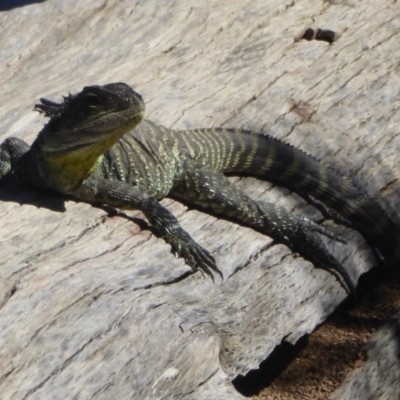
7, 296
59, 314
170, 282
371, 279
60, 368
6, 375
254, 257
57, 370
208, 378
102, 389
27, 268
13, 291
157, 284
257, 379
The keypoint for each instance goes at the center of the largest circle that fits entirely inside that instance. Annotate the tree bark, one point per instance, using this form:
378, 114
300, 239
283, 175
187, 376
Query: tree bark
93, 306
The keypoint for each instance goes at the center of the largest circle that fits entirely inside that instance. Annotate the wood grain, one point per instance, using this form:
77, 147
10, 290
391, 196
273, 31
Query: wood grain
95, 307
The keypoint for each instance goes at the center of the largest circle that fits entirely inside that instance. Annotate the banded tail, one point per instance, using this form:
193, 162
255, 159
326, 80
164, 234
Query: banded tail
240, 151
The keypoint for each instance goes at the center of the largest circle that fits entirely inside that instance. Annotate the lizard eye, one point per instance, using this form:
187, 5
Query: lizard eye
92, 100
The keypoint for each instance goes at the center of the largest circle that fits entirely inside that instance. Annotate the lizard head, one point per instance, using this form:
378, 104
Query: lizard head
90, 121
83, 127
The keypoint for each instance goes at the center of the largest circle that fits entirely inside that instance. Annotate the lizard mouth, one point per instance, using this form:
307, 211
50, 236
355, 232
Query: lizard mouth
112, 121
97, 135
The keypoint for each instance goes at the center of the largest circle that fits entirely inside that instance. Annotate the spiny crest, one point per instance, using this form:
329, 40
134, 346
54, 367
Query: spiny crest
93, 101
52, 109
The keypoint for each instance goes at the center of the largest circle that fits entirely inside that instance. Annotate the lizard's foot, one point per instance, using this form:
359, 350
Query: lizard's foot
302, 236
322, 230
307, 242
181, 242
194, 255
199, 259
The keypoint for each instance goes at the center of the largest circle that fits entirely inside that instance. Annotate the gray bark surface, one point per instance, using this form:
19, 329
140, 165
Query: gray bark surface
378, 373
94, 307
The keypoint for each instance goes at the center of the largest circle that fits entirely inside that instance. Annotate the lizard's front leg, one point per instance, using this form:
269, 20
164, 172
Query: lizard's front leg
125, 196
213, 192
11, 151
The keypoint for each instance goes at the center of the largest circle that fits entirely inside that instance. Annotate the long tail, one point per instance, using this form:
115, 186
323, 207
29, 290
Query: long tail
240, 151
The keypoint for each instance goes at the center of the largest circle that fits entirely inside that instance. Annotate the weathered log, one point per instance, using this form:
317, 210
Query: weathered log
96, 307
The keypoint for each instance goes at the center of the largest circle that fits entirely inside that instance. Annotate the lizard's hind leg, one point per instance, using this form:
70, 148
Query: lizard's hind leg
213, 192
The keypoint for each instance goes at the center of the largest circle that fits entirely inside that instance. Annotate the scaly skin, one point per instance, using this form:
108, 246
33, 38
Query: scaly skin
97, 148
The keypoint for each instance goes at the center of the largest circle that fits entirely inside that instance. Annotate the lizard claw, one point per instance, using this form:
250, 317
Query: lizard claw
301, 235
314, 250
326, 232
194, 255
200, 259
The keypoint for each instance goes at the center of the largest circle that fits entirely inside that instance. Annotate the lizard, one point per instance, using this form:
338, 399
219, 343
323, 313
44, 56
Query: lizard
98, 148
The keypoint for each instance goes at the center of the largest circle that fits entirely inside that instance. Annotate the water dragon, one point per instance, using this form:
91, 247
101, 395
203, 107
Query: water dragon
98, 148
